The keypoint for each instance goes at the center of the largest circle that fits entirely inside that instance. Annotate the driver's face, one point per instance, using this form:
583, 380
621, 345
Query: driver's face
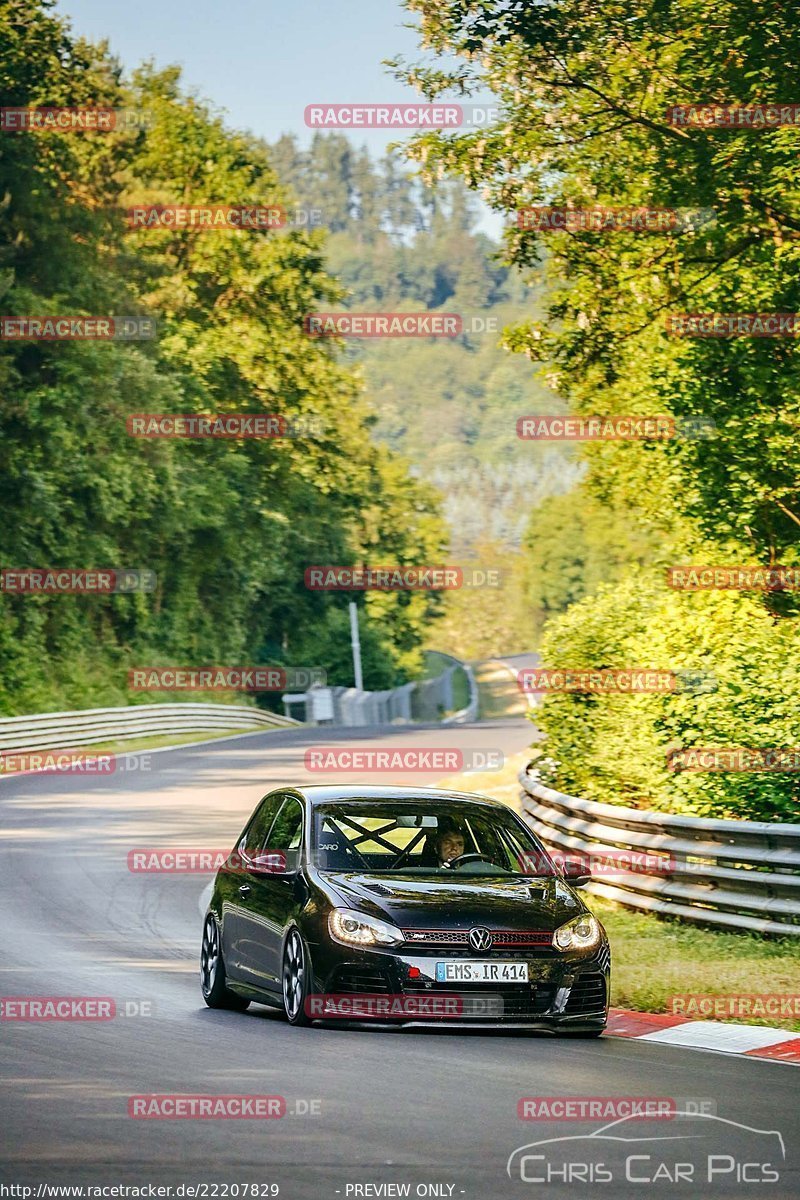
450, 846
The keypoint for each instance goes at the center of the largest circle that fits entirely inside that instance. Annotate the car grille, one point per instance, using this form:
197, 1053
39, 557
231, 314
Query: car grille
502, 939
587, 995
525, 1000
361, 980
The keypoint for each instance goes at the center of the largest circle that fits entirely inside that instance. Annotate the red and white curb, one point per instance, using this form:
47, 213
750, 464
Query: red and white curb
752, 1041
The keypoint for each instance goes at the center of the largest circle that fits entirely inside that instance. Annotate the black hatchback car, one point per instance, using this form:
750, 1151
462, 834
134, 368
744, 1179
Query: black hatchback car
402, 904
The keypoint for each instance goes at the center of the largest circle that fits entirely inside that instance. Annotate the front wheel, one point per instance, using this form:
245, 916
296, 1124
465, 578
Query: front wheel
216, 992
295, 977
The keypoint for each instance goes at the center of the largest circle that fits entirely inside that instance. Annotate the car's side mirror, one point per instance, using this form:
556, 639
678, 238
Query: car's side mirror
575, 872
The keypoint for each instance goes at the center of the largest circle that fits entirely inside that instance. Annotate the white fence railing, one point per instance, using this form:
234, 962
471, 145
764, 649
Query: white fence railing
60, 731
425, 700
741, 875
354, 707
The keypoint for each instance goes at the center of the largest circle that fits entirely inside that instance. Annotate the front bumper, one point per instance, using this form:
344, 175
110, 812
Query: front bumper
563, 991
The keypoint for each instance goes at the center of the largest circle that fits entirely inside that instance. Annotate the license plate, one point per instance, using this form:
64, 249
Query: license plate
481, 972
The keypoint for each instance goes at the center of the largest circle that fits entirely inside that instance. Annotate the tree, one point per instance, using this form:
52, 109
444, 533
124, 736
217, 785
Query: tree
584, 93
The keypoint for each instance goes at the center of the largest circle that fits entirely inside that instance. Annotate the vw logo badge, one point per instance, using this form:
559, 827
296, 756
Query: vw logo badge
480, 939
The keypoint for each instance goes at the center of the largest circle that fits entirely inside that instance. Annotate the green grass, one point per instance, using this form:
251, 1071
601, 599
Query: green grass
435, 664
655, 958
460, 690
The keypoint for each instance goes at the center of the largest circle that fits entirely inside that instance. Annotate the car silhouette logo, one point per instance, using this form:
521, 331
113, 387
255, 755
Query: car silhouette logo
480, 938
704, 1127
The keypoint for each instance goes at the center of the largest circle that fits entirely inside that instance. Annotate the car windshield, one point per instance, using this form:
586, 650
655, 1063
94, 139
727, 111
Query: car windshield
424, 837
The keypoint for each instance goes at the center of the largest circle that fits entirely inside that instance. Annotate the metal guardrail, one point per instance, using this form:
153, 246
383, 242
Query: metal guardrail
61, 731
742, 875
424, 700
352, 707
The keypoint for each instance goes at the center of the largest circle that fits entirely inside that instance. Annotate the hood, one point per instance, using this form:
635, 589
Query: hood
411, 902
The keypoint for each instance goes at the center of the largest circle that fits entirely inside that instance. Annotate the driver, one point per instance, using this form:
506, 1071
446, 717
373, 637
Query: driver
450, 843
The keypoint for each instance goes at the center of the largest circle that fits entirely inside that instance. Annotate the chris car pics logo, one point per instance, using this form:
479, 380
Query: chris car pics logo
700, 1149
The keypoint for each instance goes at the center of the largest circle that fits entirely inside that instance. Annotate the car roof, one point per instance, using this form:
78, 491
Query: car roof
324, 793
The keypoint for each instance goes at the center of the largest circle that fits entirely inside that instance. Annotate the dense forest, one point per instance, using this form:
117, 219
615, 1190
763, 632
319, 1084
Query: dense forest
226, 526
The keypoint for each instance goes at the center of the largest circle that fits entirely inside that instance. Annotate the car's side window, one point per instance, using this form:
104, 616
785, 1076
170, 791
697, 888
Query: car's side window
286, 833
255, 835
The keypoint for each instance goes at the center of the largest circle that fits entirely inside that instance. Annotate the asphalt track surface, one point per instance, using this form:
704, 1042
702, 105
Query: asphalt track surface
434, 1111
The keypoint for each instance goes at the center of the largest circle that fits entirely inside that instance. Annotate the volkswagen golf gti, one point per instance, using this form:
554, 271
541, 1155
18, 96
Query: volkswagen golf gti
403, 905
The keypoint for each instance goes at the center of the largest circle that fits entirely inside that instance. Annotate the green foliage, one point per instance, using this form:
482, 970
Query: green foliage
483, 621
227, 526
572, 544
615, 748
583, 92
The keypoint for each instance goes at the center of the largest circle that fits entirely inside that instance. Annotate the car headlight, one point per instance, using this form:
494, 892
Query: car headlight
355, 929
581, 933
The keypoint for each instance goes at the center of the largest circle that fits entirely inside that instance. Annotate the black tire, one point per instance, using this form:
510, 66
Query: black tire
295, 979
216, 992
